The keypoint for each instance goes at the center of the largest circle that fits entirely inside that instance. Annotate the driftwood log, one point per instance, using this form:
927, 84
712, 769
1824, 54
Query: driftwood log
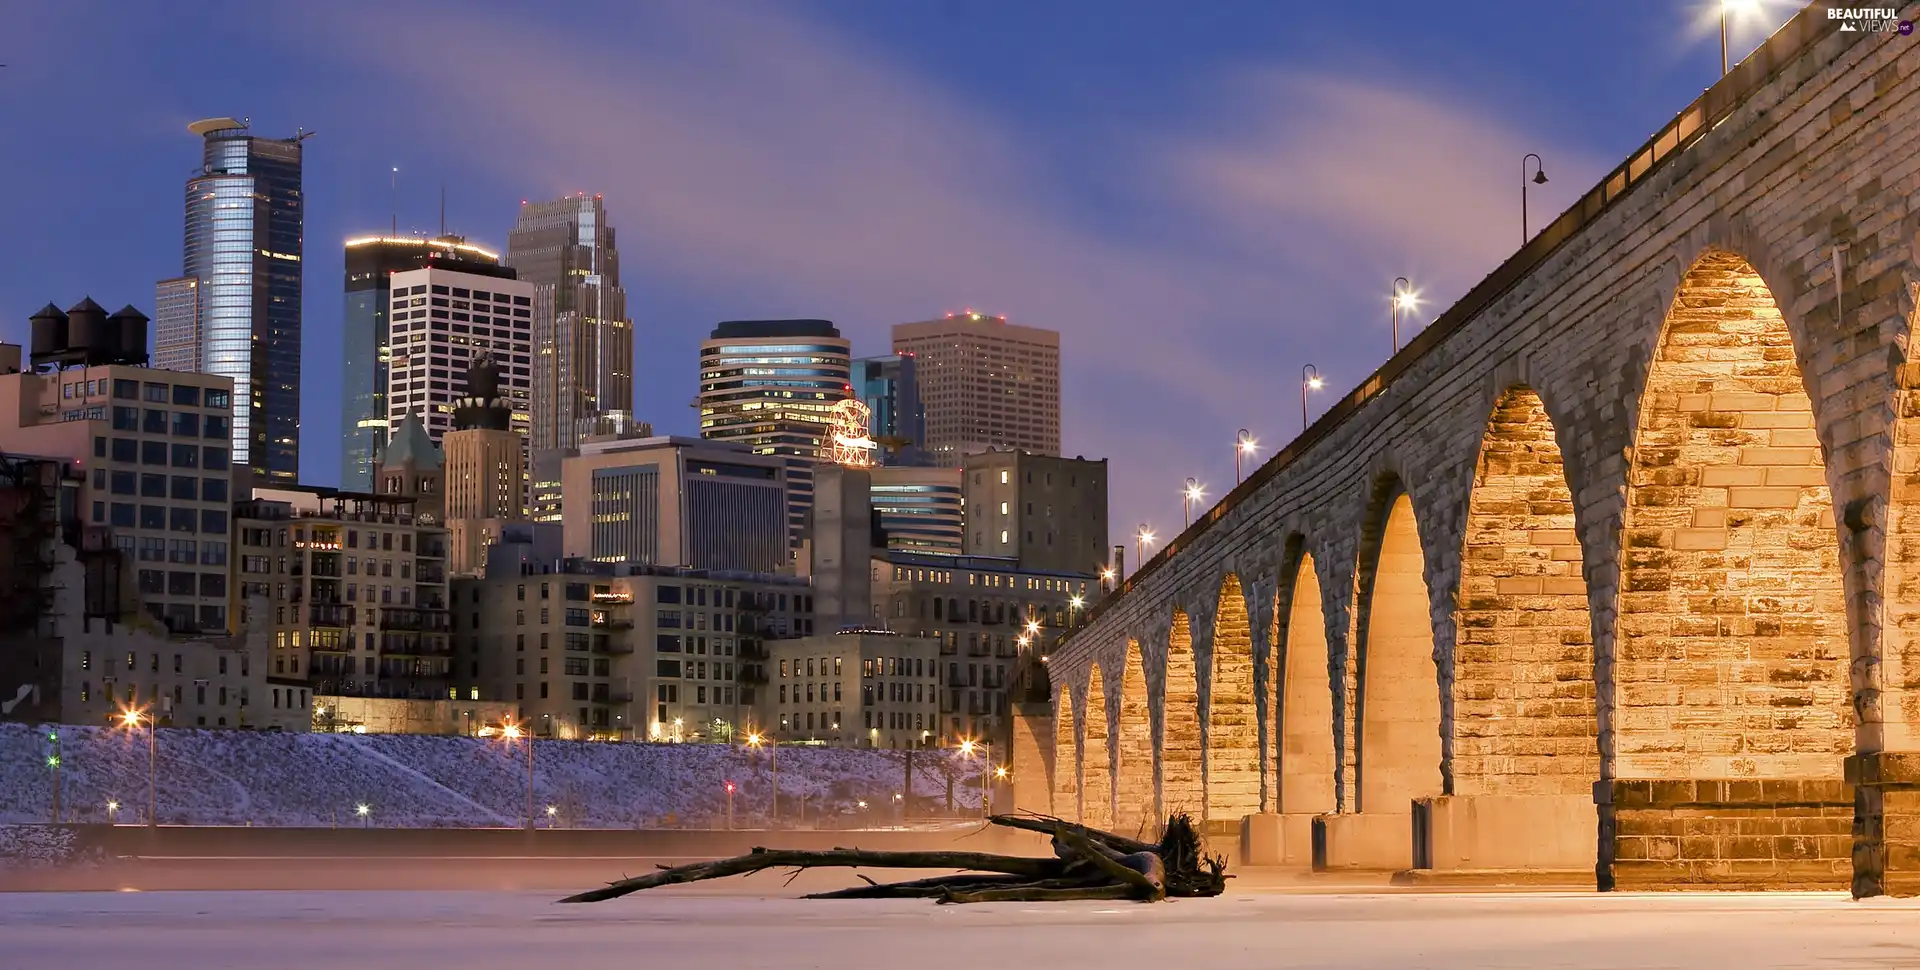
1086, 864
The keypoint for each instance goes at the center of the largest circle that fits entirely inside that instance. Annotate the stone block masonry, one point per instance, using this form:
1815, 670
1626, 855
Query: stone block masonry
1638, 520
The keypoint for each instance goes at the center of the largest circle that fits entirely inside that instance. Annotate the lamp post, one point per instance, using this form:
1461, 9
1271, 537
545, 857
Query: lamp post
1141, 540
755, 740
1539, 178
1402, 300
1243, 444
1109, 579
1309, 381
365, 812
131, 719
513, 732
53, 765
729, 806
986, 794
1189, 494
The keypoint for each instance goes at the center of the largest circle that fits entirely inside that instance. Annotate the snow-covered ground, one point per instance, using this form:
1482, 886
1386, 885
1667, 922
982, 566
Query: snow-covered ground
247, 778
497, 931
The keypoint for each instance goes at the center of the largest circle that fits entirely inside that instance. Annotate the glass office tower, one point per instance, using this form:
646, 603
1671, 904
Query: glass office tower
366, 349
770, 385
582, 337
890, 387
243, 247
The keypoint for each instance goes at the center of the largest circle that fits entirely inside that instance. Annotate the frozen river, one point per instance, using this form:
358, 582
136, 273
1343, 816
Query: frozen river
498, 931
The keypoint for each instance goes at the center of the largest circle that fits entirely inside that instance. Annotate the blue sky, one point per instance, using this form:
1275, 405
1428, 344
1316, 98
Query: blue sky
1199, 196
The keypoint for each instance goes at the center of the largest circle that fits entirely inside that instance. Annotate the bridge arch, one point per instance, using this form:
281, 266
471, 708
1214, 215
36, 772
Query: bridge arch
1732, 657
1398, 738
1182, 787
1135, 805
1523, 719
1233, 729
1308, 762
1066, 757
1096, 772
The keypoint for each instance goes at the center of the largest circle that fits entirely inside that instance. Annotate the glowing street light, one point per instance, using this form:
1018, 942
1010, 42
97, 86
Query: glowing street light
513, 732
130, 719
755, 740
1404, 298
967, 747
729, 806
112, 807
1190, 493
1309, 381
1744, 8
1109, 579
1141, 540
1539, 178
1243, 445
365, 812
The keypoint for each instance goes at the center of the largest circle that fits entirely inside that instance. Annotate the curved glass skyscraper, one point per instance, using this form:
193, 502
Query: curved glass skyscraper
769, 385
243, 247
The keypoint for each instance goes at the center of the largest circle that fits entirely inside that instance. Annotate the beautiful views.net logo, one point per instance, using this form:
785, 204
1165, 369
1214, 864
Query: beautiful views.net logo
1870, 20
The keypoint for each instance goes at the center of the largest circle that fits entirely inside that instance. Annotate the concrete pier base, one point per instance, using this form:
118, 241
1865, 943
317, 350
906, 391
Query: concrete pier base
1363, 840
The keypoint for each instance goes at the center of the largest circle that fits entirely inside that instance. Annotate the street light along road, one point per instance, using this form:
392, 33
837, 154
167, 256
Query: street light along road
1539, 178
1243, 444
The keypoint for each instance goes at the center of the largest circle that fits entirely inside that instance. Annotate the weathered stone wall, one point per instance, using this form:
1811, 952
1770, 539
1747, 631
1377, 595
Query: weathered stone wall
1523, 696
1181, 788
1133, 773
1728, 834
1066, 756
1096, 765
1730, 672
1399, 705
1307, 759
1233, 734
1732, 655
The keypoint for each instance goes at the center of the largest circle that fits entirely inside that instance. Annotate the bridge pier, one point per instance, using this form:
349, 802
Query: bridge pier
1363, 841
1886, 827
1734, 834
1534, 838
1277, 839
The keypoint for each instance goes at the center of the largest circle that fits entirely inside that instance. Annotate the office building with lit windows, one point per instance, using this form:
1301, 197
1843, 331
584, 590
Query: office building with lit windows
920, 509
985, 383
244, 218
365, 346
673, 501
441, 319
770, 385
582, 338
357, 587
152, 448
607, 651
854, 689
1044, 512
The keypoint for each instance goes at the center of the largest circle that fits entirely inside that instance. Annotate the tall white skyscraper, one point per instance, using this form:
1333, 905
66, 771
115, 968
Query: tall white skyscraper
439, 320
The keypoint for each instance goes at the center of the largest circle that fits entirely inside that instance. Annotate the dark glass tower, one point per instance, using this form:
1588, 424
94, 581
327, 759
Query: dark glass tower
890, 387
582, 338
365, 349
243, 250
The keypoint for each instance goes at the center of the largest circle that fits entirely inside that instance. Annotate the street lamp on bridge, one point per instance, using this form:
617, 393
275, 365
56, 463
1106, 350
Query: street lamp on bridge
1142, 538
1309, 381
1539, 178
1243, 445
1404, 298
1189, 494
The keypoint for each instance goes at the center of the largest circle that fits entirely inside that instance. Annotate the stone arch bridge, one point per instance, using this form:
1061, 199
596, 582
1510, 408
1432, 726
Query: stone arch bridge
1613, 569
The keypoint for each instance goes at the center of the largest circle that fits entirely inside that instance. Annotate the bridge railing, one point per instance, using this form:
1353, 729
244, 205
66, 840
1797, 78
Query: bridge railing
1807, 28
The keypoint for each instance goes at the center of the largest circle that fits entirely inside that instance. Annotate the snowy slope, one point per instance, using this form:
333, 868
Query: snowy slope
242, 778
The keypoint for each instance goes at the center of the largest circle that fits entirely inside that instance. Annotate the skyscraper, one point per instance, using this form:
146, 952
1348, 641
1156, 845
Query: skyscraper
890, 387
371, 262
243, 249
452, 316
769, 385
985, 384
582, 339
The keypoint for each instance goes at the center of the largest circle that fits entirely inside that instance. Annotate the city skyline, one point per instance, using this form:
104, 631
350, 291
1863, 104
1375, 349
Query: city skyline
696, 256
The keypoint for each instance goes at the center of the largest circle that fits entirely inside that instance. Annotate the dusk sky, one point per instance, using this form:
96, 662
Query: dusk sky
1201, 197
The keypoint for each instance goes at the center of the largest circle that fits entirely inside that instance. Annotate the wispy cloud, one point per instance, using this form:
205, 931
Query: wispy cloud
771, 162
